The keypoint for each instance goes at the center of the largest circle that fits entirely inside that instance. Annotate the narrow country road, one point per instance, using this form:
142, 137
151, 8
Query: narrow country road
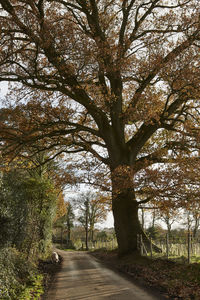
82, 277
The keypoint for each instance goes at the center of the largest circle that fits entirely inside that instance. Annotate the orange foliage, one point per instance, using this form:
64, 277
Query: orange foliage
61, 207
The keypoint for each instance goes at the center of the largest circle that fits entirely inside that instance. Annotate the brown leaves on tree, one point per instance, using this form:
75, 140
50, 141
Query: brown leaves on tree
118, 80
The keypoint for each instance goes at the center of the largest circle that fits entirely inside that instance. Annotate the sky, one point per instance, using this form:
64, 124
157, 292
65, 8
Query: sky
109, 222
3, 89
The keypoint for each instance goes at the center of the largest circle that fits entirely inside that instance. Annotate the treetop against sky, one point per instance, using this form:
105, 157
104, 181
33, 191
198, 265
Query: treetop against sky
129, 65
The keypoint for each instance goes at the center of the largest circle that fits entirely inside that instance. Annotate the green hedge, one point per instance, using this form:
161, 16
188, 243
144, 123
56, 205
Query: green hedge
19, 279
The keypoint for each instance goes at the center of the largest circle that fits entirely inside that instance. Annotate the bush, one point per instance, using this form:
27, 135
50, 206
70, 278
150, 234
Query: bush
33, 289
18, 279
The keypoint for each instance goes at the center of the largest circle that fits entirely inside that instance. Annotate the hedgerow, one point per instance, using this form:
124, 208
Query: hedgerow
18, 279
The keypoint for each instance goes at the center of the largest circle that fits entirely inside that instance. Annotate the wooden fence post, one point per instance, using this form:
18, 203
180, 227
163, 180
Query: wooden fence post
189, 247
141, 245
151, 249
138, 242
167, 245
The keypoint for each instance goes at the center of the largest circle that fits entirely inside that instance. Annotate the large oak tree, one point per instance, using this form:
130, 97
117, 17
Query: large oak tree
119, 79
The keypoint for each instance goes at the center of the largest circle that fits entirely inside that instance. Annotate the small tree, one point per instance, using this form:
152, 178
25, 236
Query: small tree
66, 222
195, 213
192, 216
169, 215
69, 221
92, 209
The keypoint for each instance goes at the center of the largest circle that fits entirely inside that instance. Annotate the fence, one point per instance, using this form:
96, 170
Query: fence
170, 247
110, 245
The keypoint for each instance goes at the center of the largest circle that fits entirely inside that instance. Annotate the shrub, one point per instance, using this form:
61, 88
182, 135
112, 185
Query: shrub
18, 279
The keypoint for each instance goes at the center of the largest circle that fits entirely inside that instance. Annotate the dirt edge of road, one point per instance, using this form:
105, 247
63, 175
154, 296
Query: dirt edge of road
49, 271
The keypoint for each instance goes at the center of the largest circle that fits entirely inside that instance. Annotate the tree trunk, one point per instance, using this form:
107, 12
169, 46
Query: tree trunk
126, 222
92, 234
196, 226
142, 212
153, 218
86, 237
86, 223
61, 236
125, 212
169, 227
68, 230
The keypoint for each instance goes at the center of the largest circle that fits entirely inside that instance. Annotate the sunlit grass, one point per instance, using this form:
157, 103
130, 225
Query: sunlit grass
181, 259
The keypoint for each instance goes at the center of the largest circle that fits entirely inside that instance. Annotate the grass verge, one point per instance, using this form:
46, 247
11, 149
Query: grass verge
173, 280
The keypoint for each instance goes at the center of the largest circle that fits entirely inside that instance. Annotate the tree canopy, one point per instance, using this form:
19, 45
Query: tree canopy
117, 79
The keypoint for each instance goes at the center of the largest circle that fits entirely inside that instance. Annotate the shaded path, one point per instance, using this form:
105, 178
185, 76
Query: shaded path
82, 277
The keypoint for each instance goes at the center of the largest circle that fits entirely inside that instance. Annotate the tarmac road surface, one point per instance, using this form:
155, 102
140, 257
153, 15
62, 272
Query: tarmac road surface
83, 277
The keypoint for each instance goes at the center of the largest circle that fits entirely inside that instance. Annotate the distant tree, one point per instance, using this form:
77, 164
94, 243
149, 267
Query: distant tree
194, 211
98, 209
192, 218
61, 209
92, 208
70, 217
65, 222
196, 216
104, 235
168, 220
153, 216
78, 234
84, 216
156, 232
168, 213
